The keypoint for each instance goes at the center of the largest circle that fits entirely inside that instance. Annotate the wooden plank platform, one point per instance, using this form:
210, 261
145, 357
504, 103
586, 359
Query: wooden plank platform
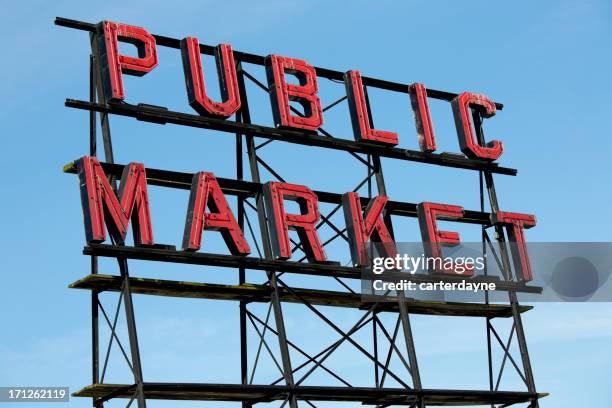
261, 293
266, 393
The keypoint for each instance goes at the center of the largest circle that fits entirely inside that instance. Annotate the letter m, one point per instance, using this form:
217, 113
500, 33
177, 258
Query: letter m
101, 205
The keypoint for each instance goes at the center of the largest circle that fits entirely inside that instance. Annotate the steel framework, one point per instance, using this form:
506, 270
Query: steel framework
289, 388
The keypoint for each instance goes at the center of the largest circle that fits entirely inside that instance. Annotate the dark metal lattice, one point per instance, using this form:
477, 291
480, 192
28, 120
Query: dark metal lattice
289, 388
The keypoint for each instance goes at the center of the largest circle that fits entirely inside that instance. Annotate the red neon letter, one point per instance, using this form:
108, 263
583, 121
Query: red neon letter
422, 117
433, 239
305, 93
304, 223
112, 64
515, 223
360, 117
196, 86
205, 191
468, 143
98, 199
360, 230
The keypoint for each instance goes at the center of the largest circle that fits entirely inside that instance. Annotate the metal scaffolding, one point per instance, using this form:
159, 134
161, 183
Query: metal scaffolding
247, 188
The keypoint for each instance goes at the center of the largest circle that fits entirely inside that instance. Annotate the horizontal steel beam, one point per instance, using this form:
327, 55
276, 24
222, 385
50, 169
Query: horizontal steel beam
267, 393
330, 269
261, 293
161, 115
259, 60
174, 179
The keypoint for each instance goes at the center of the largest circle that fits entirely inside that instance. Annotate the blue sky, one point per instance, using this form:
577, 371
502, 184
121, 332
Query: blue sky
548, 62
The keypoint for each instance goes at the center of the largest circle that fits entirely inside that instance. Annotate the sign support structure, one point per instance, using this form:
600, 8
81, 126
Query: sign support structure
290, 389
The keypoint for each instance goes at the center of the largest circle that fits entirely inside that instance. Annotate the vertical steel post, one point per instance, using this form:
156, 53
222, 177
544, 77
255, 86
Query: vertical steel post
375, 346
403, 310
265, 236
123, 264
95, 327
484, 254
244, 362
500, 235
